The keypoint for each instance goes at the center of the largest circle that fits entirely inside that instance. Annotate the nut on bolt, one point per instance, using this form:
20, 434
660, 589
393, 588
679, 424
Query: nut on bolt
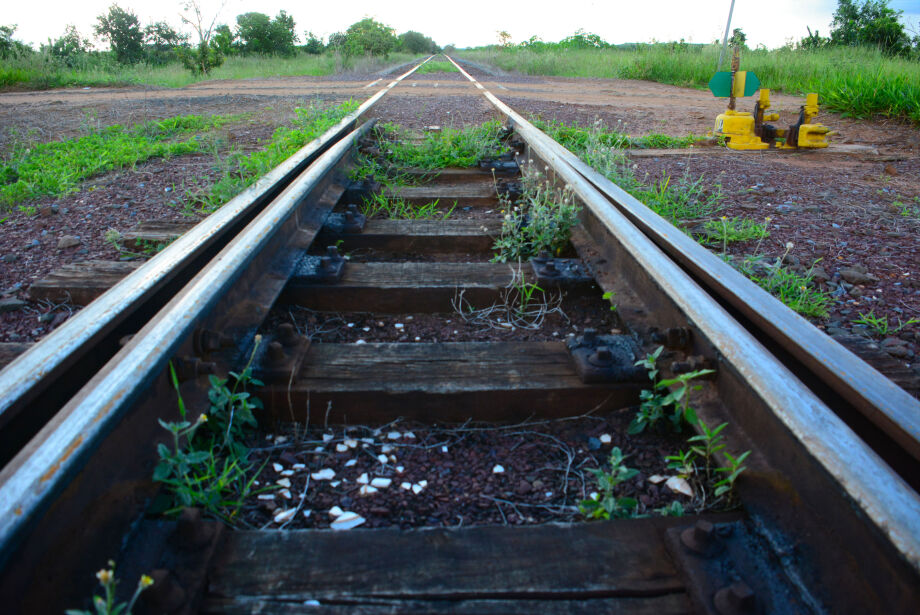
702, 538
287, 335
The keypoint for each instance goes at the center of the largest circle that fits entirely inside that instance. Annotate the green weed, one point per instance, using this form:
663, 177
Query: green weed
730, 230
541, 220
796, 290
449, 147
608, 505
58, 167
436, 66
242, 170
880, 325
395, 208
654, 404
575, 136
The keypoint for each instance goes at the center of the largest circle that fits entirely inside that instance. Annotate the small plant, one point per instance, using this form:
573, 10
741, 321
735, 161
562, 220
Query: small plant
211, 471
880, 324
541, 220
709, 443
449, 147
608, 296
727, 230
521, 305
794, 289
674, 509
395, 208
656, 402
726, 486
105, 605
608, 505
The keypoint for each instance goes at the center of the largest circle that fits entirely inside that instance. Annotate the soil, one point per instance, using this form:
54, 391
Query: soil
544, 472
836, 208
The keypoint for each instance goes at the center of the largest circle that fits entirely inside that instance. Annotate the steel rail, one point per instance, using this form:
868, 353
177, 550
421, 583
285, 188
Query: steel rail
42, 470
883, 496
43, 366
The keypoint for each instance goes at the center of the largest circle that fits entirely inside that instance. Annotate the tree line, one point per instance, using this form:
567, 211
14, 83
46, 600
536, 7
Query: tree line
252, 33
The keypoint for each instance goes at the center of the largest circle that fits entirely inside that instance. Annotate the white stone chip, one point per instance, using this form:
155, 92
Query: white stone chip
409, 435
267, 496
285, 515
350, 463
284, 482
324, 474
363, 479
382, 458
400, 469
423, 483
347, 520
393, 458
605, 438
335, 511
381, 483
319, 449
657, 478
367, 490
286, 494
365, 329
548, 494
341, 448
679, 485
351, 443
405, 486
399, 325
368, 440
360, 342
298, 466
349, 325
386, 448
335, 483
281, 439
307, 513
394, 435
417, 489
327, 437
498, 469
444, 449
288, 473
277, 467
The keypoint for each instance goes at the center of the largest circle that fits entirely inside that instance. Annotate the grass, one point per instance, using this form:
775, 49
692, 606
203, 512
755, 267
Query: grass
55, 168
853, 81
575, 136
436, 66
395, 208
730, 230
880, 325
449, 147
796, 290
39, 71
242, 170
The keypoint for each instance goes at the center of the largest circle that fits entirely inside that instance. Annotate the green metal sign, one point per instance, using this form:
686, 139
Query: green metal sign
746, 83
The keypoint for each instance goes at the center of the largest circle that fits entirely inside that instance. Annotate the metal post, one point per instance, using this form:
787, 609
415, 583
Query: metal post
728, 25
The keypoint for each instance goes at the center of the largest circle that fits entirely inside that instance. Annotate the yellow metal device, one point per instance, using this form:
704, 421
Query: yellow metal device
747, 131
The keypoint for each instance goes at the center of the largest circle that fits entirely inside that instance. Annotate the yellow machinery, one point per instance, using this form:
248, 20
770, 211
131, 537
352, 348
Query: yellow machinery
748, 131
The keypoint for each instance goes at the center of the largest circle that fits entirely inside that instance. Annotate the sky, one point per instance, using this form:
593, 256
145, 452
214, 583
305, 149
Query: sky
475, 22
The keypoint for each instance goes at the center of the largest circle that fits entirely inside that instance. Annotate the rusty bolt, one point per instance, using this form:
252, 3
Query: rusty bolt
287, 335
601, 356
166, 595
702, 538
275, 352
736, 599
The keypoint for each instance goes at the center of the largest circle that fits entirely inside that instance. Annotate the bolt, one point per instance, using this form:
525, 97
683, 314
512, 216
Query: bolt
332, 252
603, 355
702, 538
589, 336
351, 209
326, 262
349, 216
736, 599
189, 368
275, 352
287, 335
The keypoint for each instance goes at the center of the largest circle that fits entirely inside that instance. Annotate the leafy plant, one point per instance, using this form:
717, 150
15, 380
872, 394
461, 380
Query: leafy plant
880, 325
710, 443
449, 147
608, 296
795, 289
608, 505
541, 220
210, 470
395, 208
105, 605
674, 509
654, 403
726, 486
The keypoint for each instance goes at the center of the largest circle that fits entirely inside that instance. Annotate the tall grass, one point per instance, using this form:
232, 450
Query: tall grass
854, 81
40, 71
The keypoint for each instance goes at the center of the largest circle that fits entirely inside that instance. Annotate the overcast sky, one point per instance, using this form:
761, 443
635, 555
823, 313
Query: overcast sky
474, 23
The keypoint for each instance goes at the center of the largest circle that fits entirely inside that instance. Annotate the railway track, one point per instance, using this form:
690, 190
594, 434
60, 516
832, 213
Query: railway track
829, 518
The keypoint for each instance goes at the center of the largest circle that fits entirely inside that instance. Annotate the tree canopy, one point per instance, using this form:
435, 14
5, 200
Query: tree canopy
122, 30
871, 23
258, 33
369, 37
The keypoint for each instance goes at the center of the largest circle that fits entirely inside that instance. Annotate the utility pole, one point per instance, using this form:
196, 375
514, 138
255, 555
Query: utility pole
728, 26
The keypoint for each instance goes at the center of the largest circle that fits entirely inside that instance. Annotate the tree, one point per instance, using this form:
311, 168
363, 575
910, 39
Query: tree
258, 33
69, 47
223, 39
314, 44
416, 42
871, 23
583, 40
504, 39
161, 41
10, 47
369, 37
122, 30
738, 38
206, 56
337, 42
